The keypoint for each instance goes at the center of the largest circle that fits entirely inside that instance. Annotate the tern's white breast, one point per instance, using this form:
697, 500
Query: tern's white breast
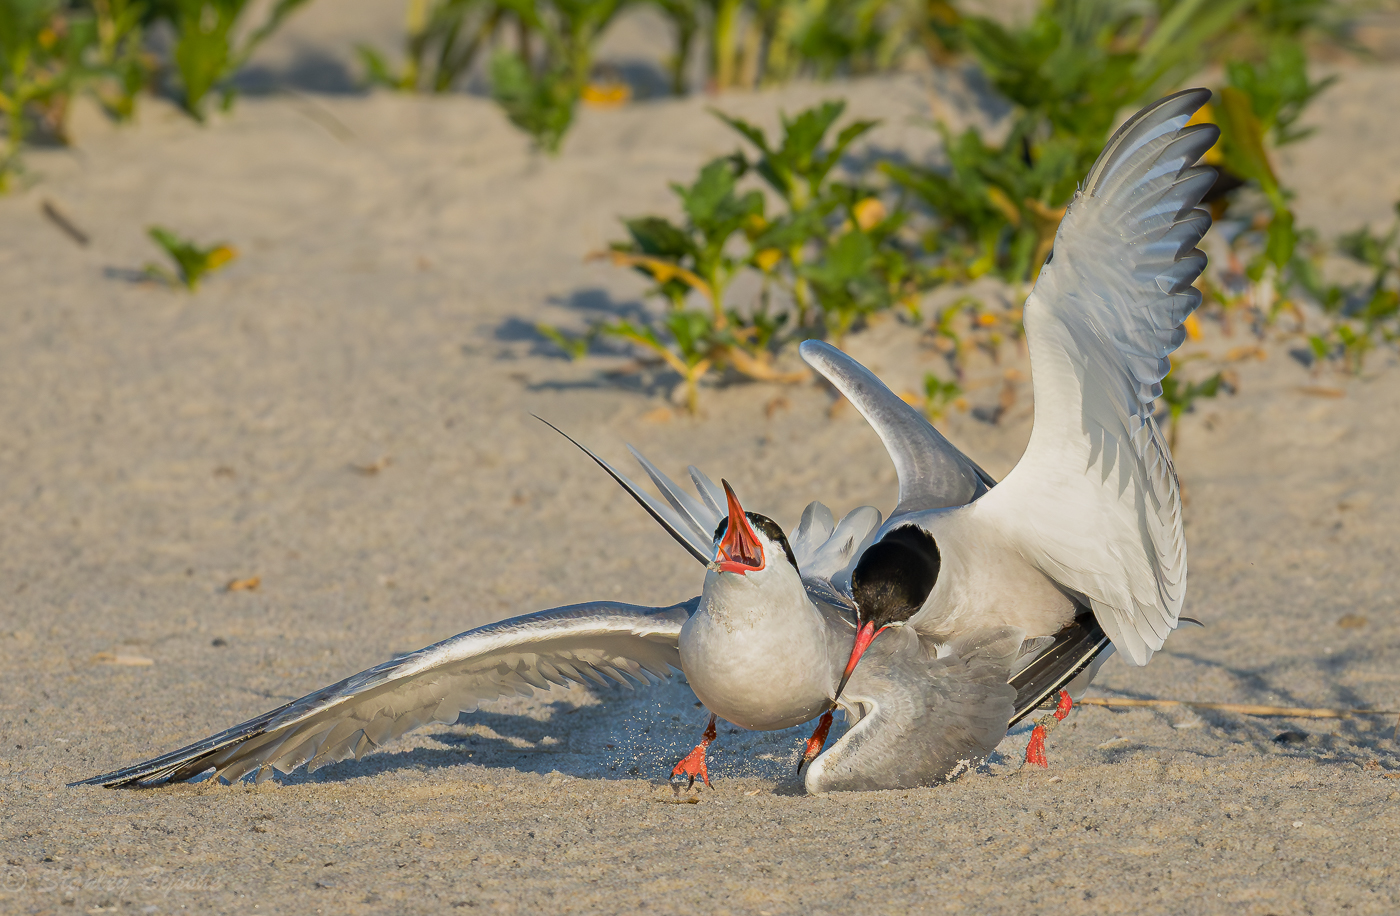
758, 653
986, 582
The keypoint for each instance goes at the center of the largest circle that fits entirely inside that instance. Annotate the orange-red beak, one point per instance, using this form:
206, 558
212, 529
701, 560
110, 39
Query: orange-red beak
864, 637
740, 551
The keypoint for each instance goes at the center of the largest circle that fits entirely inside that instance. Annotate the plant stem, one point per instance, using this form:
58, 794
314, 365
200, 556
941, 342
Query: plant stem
726, 19
685, 37
801, 289
750, 53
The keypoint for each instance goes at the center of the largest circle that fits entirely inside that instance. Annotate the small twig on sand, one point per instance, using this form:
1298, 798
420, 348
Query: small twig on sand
1245, 709
57, 217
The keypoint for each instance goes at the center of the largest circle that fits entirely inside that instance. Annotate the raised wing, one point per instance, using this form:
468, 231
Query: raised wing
598, 641
920, 720
1094, 501
933, 474
831, 562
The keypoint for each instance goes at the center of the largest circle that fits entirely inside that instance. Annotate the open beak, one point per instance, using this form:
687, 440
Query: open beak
864, 637
739, 551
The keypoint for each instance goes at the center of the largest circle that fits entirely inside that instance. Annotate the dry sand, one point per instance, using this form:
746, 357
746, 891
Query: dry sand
344, 413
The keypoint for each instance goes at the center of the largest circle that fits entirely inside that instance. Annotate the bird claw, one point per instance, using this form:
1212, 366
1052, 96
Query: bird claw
1035, 751
1064, 706
693, 765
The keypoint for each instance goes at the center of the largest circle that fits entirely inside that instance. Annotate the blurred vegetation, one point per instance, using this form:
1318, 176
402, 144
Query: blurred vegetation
192, 261
837, 251
824, 254
51, 50
825, 245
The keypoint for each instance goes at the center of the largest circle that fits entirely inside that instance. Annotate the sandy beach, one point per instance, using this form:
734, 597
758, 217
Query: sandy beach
345, 414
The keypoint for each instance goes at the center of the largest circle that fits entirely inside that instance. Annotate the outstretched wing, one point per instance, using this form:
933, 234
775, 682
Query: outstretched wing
920, 720
365, 711
1094, 501
933, 474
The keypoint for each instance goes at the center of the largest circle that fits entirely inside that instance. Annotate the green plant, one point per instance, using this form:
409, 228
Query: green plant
42, 45
1069, 71
539, 103
537, 87
192, 262
939, 396
1264, 99
994, 208
830, 247
207, 50
860, 271
121, 68
698, 257
835, 244
1358, 314
1181, 397
574, 346
444, 39
540, 97
991, 210
693, 340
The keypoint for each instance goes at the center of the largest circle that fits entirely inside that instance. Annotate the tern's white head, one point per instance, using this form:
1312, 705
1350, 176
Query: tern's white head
752, 558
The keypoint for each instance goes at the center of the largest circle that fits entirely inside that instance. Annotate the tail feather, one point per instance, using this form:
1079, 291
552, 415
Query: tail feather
1074, 649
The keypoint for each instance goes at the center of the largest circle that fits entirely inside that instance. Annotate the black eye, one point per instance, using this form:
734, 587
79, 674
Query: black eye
723, 527
773, 532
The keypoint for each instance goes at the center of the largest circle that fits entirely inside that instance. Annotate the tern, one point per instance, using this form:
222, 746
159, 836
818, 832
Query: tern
1090, 517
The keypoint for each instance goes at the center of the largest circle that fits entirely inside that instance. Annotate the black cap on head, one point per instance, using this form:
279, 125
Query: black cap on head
763, 523
895, 576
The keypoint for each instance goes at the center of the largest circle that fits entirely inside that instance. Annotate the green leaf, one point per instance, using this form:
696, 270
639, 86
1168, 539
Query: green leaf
1282, 239
576, 348
659, 237
542, 106
1242, 134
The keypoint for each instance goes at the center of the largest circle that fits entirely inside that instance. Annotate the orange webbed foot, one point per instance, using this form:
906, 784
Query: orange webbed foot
692, 765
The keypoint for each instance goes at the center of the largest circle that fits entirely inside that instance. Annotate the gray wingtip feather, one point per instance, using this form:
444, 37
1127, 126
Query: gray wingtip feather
674, 526
1179, 105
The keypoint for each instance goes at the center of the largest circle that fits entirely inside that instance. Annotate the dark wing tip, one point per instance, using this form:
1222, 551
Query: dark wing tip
1074, 649
1177, 105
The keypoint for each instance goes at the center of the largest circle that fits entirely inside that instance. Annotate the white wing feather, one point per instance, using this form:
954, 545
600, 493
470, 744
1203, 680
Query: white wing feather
1094, 501
580, 643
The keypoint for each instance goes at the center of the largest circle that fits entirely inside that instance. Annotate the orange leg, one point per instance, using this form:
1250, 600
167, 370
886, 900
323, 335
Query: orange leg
693, 764
1035, 751
816, 742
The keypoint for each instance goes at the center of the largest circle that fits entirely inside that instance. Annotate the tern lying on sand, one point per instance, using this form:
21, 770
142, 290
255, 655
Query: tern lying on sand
979, 584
